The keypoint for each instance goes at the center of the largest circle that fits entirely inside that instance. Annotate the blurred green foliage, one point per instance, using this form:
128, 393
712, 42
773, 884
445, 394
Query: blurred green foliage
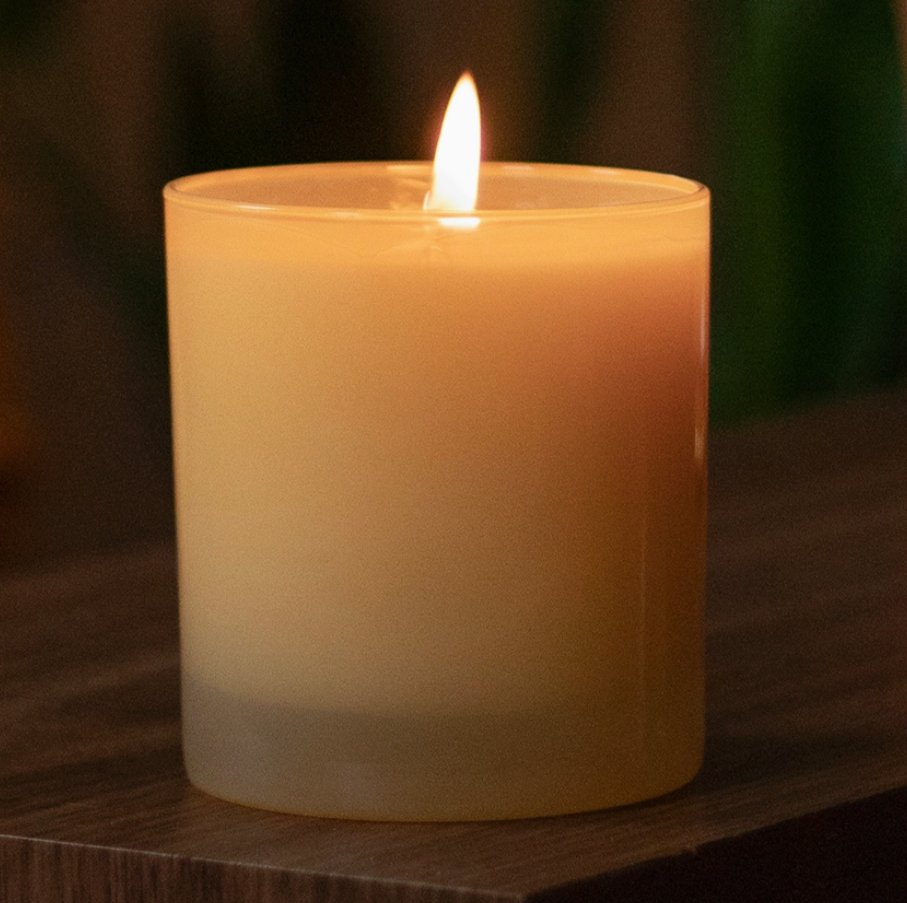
809, 203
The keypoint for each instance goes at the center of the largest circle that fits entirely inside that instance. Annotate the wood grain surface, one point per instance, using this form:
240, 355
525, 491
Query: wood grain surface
803, 793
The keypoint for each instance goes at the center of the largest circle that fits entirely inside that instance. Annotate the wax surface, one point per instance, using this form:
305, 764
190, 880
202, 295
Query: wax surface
435, 476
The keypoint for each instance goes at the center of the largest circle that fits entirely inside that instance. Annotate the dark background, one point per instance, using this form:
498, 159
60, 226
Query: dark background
792, 113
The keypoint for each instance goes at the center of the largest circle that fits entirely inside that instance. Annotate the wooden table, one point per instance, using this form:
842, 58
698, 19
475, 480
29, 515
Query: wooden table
804, 789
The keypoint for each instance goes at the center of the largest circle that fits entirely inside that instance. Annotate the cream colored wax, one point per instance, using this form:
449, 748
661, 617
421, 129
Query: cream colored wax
441, 488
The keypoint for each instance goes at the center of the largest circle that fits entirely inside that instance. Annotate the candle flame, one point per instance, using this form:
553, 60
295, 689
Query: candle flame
455, 174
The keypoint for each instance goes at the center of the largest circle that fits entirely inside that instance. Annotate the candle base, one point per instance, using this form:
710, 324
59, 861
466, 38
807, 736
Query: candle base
426, 767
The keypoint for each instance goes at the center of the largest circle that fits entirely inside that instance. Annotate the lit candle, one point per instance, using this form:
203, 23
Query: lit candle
440, 483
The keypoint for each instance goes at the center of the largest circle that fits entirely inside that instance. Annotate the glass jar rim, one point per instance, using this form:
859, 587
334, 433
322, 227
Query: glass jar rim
392, 191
